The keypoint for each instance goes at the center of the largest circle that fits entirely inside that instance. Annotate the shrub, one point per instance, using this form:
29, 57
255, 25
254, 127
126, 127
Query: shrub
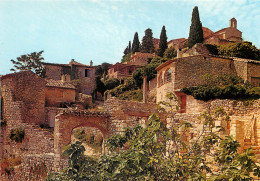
223, 87
17, 134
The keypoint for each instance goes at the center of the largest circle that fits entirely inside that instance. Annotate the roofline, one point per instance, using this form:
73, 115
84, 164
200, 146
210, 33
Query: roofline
67, 65
60, 87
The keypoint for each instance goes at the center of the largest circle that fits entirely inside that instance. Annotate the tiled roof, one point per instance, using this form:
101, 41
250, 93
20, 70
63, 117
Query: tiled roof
72, 62
59, 83
175, 41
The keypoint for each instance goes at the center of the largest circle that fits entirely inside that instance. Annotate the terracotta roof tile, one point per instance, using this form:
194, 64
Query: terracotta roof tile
59, 84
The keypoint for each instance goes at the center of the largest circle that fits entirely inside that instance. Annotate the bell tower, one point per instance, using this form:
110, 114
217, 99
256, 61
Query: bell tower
233, 23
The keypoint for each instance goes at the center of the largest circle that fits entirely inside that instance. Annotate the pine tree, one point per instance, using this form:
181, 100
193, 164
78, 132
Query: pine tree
136, 43
196, 32
147, 42
163, 42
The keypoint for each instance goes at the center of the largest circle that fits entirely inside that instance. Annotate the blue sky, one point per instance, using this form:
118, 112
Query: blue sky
99, 30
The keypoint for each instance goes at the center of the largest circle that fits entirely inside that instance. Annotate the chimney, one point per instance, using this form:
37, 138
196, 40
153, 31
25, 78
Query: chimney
233, 23
145, 89
179, 53
91, 63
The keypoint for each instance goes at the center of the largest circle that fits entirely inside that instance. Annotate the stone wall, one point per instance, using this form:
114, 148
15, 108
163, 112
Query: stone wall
53, 71
55, 96
23, 97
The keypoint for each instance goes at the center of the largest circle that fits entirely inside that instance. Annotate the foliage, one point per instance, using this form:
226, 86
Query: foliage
163, 42
222, 87
147, 42
2, 123
242, 50
196, 32
136, 44
148, 70
126, 58
102, 70
111, 83
170, 53
17, 134
134, 95
163, 153
31, 62
100, 86
213, 49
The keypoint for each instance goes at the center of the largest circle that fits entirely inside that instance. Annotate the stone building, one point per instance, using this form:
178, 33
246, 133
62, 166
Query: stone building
178, 73
140, 59
82, 74
225, 35
58, 92
121, 71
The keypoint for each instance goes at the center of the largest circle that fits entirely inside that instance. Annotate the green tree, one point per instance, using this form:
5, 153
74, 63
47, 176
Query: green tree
170, 53
243, 50
163, 43
102, 70
111, 83
158, 152
136, 43
196, 32
147, 42
31, 62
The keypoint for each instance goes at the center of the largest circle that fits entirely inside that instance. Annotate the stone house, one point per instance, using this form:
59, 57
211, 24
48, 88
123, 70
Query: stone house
121, 71
83, 75
58, 92
182, 72
140, 59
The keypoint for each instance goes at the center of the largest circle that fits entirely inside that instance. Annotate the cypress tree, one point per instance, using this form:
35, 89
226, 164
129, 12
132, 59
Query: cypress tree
196, 32
147, 42
163, 42
129, 47
136, 43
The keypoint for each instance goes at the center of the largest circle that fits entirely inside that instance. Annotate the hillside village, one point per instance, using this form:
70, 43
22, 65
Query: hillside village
39, 115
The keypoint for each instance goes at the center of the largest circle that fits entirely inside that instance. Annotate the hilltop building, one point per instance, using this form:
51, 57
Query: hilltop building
121, 71
80, 74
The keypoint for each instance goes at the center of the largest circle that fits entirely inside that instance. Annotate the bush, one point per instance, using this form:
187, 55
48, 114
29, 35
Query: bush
213, 49
17, 134
111, 83
223, 87
242, 50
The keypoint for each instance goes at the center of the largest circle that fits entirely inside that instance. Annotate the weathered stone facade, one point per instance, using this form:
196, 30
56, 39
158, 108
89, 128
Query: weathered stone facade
178, 73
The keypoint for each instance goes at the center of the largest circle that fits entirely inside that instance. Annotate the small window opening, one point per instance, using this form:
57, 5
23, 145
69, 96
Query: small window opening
86, 72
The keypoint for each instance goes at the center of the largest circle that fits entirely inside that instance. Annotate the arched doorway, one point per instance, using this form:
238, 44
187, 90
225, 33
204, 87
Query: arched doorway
92, 139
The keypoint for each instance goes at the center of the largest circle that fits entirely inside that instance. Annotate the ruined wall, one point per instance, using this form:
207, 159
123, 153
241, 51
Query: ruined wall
55, 96
87, 85
23, 97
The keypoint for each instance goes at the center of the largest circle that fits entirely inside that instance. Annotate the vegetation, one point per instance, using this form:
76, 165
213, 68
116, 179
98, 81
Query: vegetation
136, 44
196, 32
147, 42
94, 141
102, 70
170, 53
242, 50
31, 62
148, 70
17, 134
111, 83
223, 87
163, 43
163, 153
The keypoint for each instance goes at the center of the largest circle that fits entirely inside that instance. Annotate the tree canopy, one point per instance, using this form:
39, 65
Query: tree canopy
196, 31
147, 42
32, 61
163, 42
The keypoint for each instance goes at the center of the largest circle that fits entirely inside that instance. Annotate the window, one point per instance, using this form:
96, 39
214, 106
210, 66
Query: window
169, 75
86, 72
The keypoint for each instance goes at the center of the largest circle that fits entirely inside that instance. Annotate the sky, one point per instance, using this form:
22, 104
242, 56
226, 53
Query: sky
99, 30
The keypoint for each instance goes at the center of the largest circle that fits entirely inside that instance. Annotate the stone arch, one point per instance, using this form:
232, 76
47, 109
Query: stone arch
67, 121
